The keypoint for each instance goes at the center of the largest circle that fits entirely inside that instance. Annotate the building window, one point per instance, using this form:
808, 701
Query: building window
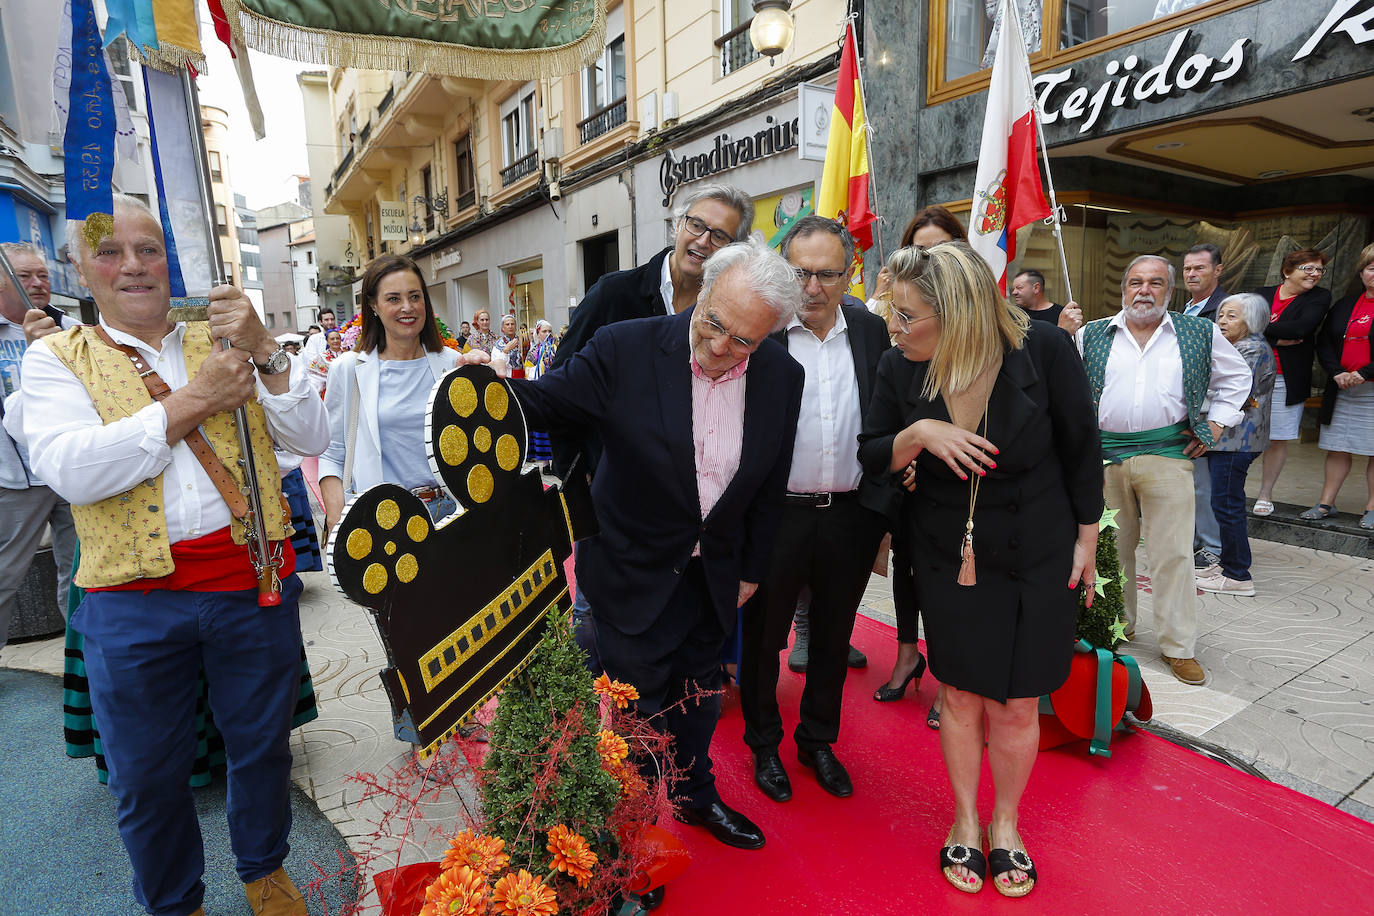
603, 82
518, 152
310, 257
216, 171
466, 183
119, 57
427, 182
220, 221
736, 50
271, 320
964, 32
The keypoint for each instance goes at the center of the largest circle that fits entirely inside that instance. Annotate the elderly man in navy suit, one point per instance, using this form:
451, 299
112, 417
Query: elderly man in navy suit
696, 413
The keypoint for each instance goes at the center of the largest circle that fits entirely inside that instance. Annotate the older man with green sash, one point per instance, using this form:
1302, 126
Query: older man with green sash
1151, 372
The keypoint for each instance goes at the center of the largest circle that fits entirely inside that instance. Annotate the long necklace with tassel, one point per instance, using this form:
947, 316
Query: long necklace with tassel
968, 571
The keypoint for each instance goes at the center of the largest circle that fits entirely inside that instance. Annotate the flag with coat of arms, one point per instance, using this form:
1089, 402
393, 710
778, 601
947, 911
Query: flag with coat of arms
844, 179
1007, 193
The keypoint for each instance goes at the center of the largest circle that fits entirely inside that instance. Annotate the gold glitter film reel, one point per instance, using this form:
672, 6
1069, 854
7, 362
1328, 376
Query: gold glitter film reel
480, 439
360, 544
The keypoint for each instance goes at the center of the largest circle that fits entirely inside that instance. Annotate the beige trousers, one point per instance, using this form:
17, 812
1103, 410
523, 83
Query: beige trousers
1155, 495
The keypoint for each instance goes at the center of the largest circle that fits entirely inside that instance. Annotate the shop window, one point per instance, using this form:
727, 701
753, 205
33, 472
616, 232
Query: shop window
603, 83
518, 153
466, 184
964, 33
736, 50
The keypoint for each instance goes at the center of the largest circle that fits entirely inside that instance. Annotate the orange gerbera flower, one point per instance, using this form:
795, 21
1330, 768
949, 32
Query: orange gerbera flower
619, 692
631, 783
481, 853
522, 894
458, 891
571, 854
611, 747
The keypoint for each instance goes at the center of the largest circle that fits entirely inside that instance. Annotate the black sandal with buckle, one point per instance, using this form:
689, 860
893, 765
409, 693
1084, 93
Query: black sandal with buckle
1002, 861
957, 855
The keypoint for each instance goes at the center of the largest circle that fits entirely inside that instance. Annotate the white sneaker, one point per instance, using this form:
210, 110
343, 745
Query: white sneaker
1220, 584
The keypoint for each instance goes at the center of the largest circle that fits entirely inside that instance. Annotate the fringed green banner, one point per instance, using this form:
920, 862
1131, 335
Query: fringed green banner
476, 39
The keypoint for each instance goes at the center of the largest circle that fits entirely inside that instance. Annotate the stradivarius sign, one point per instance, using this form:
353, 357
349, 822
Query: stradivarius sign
1131, 80
726, 154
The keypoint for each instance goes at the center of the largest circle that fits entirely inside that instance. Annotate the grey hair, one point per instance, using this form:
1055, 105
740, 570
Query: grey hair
727, 194
809, 225
76, 227
1253, 308
765, 272
1173, 275
541, 323
23, 248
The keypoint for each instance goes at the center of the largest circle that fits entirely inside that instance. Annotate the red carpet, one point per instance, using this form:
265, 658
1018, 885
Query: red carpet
1153, 829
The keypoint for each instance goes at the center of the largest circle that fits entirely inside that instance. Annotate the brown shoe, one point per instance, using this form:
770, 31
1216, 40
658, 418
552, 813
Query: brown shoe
1187, 670
275, 895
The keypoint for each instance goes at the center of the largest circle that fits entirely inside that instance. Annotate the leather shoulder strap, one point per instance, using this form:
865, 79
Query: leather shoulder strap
195, 440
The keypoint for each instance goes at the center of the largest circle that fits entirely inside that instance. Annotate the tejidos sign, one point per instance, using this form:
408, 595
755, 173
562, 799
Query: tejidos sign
478, 39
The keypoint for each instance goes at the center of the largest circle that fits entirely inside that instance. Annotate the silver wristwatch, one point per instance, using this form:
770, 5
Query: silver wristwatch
276, 364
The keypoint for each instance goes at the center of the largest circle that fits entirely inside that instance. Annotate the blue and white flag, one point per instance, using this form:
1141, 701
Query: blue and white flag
175, 165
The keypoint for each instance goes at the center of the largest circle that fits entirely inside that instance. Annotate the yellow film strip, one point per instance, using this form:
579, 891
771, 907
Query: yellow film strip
460, 645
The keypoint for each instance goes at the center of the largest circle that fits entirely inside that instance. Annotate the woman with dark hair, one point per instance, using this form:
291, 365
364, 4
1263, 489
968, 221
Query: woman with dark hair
1347, 412
996, 413
378, 393
929, 227
1297, 308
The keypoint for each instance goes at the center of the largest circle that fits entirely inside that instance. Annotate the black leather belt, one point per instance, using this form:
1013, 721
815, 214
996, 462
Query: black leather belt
818, 500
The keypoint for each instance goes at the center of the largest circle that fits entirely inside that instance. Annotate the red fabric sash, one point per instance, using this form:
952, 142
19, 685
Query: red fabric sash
210, 563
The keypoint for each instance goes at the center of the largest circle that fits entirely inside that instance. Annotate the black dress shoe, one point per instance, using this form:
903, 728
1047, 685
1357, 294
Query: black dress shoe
771, 777
725, 824
830, 773
651, 899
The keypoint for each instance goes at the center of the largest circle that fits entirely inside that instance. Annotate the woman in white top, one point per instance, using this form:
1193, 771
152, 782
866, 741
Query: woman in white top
391, 371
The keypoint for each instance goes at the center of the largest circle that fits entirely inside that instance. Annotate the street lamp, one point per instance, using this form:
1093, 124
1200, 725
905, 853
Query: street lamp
433, 205
771, 31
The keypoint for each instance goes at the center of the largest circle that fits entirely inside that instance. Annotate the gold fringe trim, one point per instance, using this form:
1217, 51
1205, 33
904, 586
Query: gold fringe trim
381, 52
168, 58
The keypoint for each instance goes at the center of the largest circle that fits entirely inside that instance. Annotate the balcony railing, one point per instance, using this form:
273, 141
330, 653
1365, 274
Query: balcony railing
602, 121
364, 133
736, 49
344, 163
466, 199
385, 103
518, 169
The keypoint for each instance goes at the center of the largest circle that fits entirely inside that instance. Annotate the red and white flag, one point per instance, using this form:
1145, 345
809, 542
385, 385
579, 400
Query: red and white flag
1007, 194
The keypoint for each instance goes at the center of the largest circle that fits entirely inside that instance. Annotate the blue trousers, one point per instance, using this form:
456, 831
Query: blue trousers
142, 654
1228, 471
1206, 530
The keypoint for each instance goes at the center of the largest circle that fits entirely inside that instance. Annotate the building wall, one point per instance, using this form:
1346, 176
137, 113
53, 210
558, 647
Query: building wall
215, 123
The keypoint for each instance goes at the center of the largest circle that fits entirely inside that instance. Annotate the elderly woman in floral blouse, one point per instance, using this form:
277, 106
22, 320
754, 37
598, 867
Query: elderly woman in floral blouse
1242, 320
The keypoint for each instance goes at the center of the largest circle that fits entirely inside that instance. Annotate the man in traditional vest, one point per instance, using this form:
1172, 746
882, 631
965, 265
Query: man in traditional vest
169, 586
1150, 370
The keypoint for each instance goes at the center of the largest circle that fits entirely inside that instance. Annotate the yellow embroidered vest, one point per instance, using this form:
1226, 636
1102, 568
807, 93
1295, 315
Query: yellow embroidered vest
124, 537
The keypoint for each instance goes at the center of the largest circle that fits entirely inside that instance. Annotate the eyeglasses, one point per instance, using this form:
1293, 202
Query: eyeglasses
696, 228
1313, 269
828, 278
905, 321
717, 331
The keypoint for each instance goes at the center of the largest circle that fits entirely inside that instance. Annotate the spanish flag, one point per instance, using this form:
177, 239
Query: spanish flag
844, 182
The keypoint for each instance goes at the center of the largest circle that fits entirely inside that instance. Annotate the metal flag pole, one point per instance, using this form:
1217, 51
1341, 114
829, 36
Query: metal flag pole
255, 527
1011, 19
868, 129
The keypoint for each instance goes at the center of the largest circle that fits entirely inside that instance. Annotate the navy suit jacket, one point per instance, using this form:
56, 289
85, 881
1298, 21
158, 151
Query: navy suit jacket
619, 296
1209, 308
632, 386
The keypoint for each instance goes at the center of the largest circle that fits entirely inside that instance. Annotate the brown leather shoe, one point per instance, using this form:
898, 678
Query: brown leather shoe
275, 895
1187, 670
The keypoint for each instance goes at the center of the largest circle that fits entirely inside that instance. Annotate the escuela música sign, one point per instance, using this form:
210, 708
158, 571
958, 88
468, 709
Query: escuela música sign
1131, 81
726, 154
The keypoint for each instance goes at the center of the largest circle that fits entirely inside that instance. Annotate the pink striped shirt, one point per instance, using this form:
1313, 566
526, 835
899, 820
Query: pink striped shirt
717, 431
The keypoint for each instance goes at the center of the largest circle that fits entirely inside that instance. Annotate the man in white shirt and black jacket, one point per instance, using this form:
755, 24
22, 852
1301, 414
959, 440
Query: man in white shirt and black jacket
833, 517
